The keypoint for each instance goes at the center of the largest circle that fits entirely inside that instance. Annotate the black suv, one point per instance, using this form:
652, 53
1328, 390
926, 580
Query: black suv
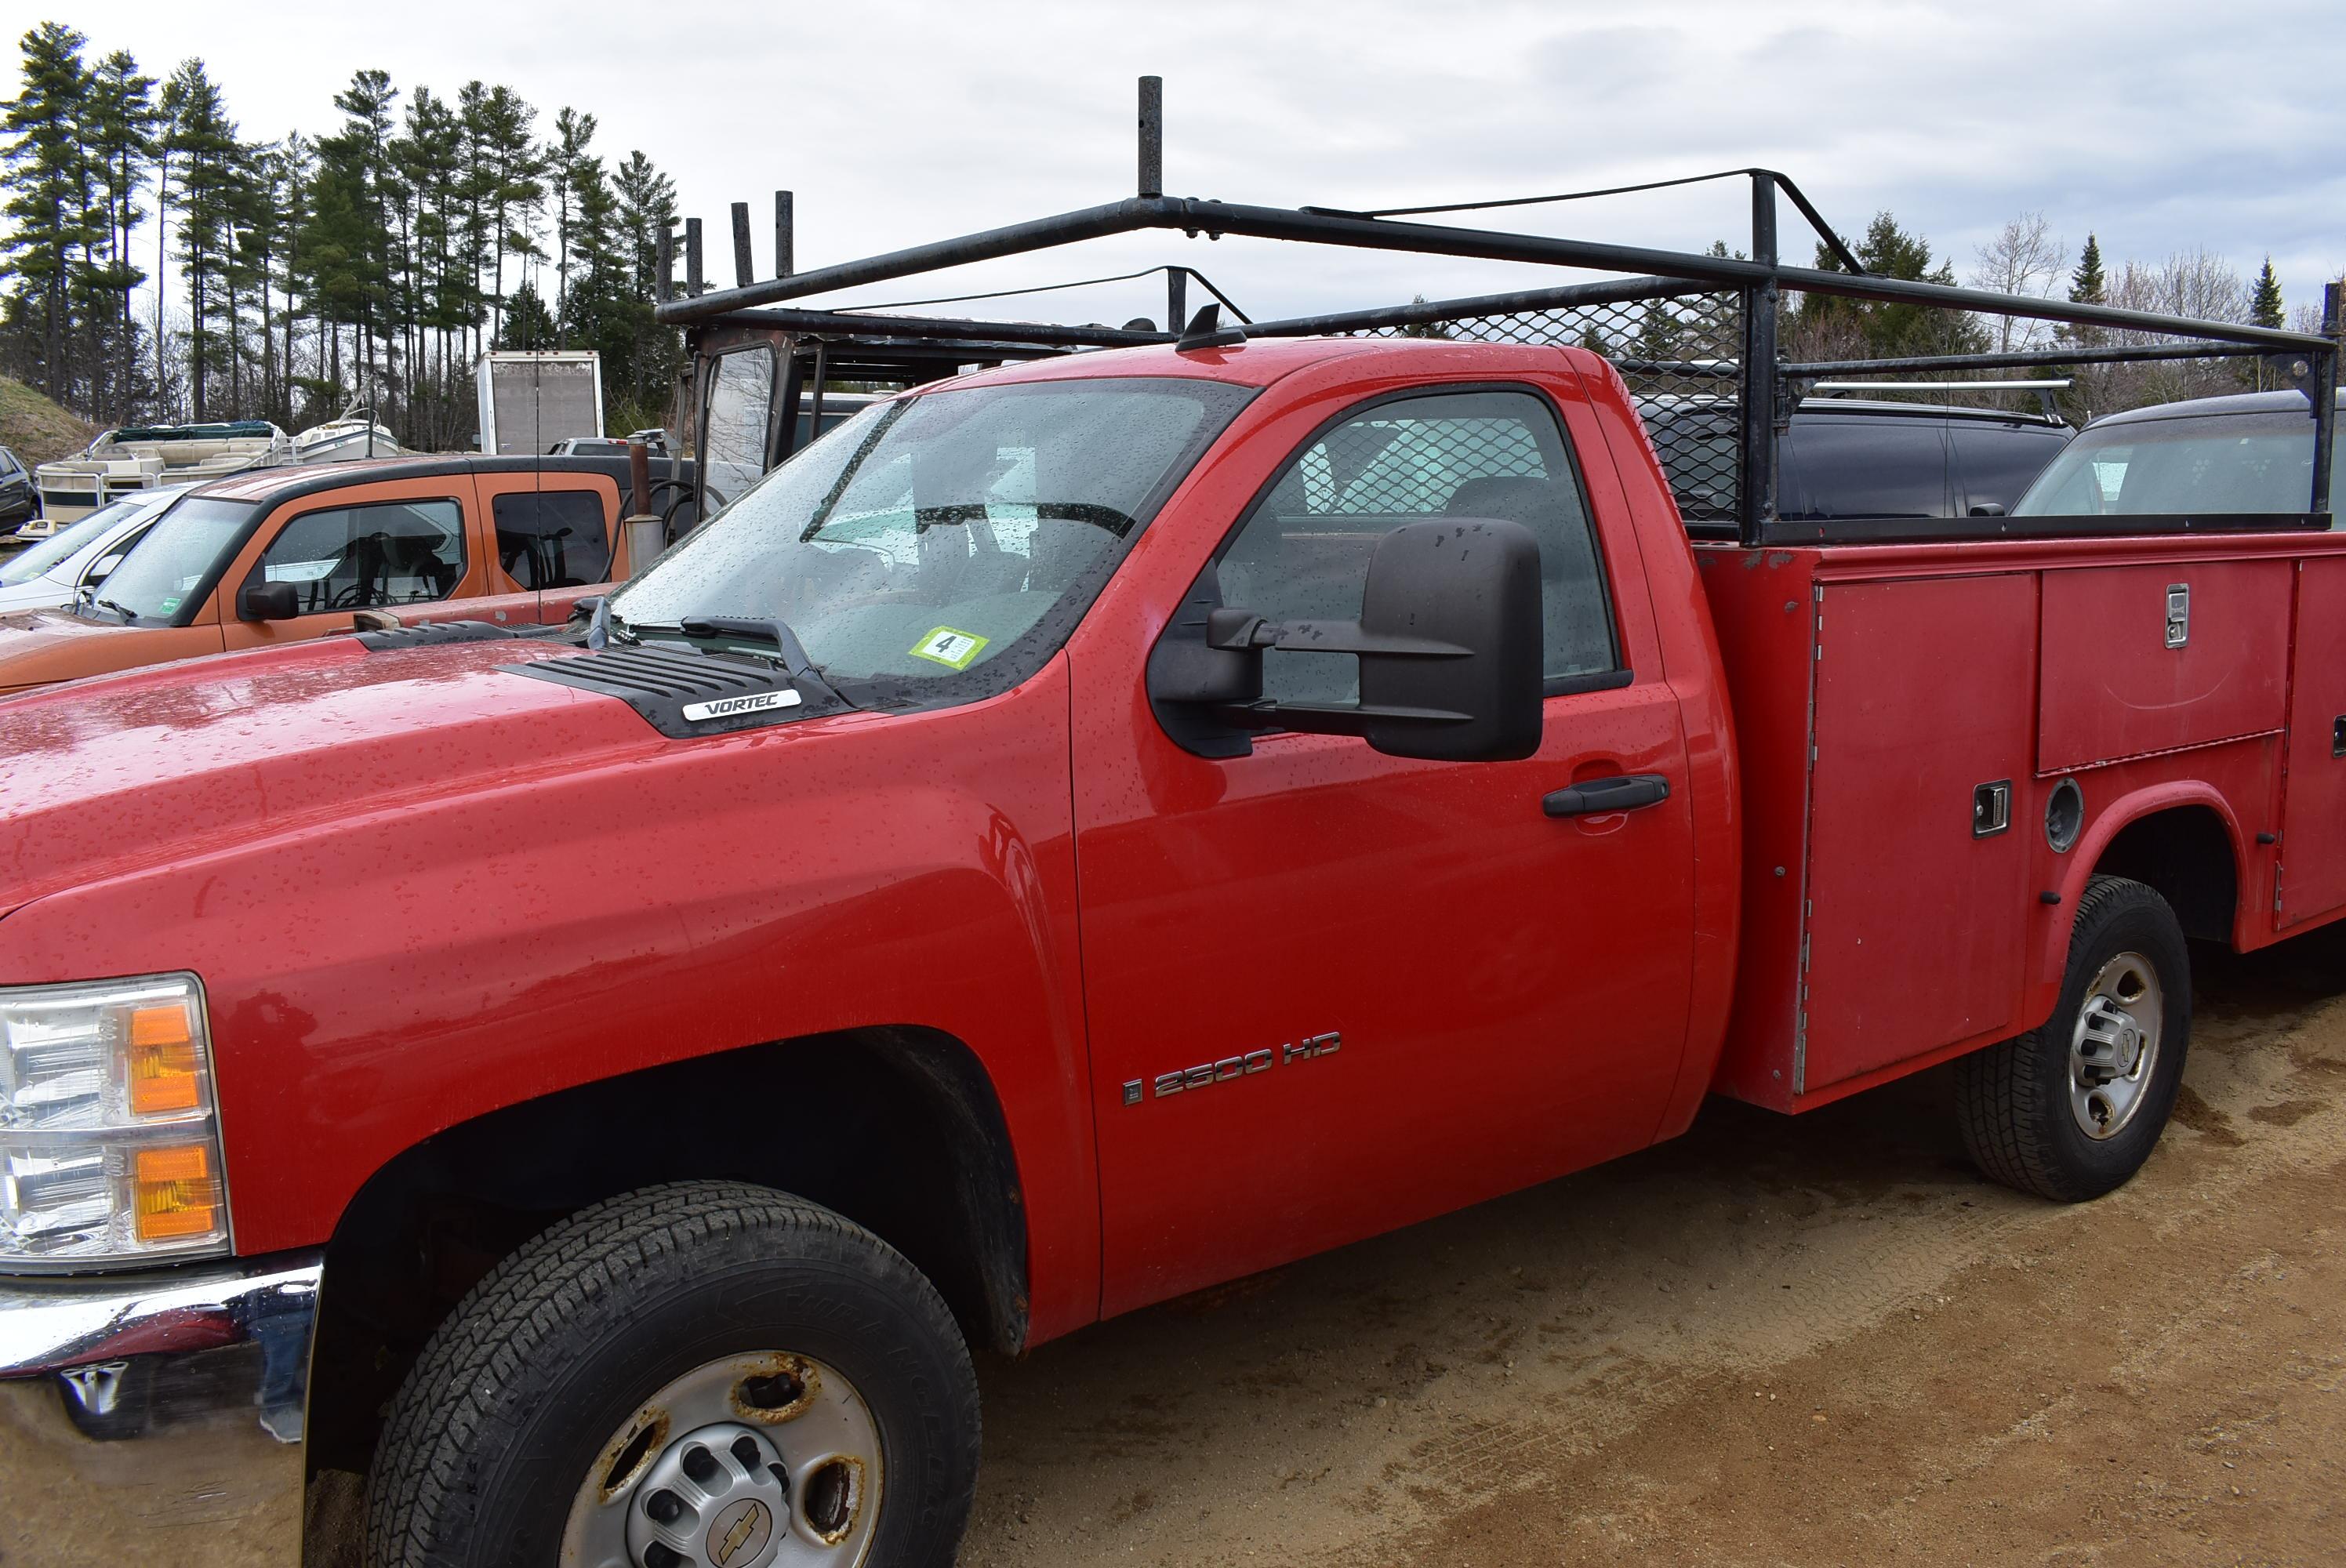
18, 499
1851, 457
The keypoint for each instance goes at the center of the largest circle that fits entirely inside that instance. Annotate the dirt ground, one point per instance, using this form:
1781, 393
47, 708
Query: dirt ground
1773, 1341
1810, 1340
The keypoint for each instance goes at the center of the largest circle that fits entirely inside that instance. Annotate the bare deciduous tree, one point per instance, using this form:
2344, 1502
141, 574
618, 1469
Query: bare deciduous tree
2196, 283
2023, 259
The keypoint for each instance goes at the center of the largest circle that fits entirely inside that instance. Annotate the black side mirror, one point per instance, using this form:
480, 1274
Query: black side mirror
1448, 642
1987, 508
268, 602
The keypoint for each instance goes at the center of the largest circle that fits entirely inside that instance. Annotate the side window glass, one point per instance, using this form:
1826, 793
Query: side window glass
1837, 465
360, 557
740, 394
552, 538
1998, 462
1304, 552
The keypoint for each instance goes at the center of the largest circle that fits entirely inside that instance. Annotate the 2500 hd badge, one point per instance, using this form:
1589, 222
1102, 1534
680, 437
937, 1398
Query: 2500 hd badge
1206, 1073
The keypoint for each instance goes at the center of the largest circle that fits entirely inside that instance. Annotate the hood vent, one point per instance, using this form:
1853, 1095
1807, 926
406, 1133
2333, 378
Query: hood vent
681, 693
442, 633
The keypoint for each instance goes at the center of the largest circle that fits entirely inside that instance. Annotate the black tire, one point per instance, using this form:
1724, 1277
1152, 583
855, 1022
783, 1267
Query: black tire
2012, 1099
502, 1418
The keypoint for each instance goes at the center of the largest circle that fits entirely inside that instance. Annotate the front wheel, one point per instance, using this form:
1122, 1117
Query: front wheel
705, 1374
2071, 1109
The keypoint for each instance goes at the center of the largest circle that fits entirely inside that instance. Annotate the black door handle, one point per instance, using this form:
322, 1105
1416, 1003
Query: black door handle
1601, 797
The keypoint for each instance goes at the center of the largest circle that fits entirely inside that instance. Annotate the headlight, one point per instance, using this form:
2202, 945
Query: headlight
109, 1140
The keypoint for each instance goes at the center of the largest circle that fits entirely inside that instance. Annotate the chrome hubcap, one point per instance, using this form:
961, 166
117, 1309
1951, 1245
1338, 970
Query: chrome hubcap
763, 1460
2114, 1048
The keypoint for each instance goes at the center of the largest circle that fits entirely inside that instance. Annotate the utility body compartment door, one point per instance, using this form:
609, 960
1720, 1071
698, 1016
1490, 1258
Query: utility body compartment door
2313, 818
1919, 911
2116, 683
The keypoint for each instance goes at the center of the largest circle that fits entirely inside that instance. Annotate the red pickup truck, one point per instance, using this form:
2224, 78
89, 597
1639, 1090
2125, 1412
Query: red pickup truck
1078, 832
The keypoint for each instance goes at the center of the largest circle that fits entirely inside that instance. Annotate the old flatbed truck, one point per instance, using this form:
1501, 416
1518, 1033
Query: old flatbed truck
1079, 832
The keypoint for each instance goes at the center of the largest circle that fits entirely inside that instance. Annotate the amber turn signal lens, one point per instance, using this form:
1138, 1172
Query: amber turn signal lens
160, 1025
176, 1193
166, 1068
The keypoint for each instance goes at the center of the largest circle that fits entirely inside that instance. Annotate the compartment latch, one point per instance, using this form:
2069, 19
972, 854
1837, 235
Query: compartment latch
1992, 808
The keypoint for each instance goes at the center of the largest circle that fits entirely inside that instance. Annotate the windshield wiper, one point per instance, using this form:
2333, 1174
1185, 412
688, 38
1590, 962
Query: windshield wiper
128, 615
791, 652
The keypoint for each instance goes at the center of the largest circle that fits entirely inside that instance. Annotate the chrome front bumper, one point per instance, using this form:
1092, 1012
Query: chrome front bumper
157, 1418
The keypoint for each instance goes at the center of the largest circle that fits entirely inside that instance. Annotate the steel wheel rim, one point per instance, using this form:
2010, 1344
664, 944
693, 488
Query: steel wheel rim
2113, 1045
790, 1474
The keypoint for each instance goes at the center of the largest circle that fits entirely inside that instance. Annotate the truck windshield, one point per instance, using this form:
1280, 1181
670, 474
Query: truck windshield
961, 531
2214, 463
169, 568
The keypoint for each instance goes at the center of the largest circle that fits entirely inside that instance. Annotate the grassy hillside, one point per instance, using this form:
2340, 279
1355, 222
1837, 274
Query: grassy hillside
35, 429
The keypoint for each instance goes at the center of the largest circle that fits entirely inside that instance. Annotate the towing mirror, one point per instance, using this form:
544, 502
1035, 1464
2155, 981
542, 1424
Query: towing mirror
268, 602
1448, 643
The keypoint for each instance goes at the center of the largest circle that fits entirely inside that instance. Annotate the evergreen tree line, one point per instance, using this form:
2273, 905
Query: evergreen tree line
368, 265
2023, 259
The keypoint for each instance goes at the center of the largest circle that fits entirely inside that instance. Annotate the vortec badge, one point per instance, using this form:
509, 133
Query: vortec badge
735, 707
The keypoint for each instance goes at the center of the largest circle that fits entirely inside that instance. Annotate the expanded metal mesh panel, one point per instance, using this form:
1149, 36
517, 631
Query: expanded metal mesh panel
1681, 358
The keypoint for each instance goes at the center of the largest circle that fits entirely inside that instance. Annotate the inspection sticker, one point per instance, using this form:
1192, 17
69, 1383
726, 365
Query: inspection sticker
952, 649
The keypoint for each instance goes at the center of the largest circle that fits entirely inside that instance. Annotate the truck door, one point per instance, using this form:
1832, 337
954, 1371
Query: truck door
550, 534
379, 545
1331, 992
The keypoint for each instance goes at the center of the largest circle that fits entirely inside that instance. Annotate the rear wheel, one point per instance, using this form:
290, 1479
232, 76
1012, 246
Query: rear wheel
705, 1374
2071, 1109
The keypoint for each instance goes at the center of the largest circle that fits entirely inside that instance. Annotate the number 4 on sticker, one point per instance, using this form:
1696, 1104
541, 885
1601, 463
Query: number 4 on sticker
949, 646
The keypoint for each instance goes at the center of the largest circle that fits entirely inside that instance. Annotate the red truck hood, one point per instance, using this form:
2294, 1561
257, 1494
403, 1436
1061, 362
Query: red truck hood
110, 775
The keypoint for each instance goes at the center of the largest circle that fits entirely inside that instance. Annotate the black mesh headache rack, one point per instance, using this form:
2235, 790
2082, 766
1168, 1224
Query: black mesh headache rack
1688, 332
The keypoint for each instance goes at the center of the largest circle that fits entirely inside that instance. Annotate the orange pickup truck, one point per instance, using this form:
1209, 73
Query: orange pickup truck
279, 555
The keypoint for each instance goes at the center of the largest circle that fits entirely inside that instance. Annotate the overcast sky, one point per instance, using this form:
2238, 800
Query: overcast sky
2160, 125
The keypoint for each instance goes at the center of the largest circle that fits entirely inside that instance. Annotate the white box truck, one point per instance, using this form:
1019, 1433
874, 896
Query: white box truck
533, 398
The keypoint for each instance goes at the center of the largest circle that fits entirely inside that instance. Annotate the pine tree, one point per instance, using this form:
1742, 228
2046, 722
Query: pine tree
477, 185
430, 161
1881, 330
121, 145
333, 274
46, 181
565, 159
2266, 308
515, 186
259, 236
2086, 284
169, 106
359, 155
294, 166
646, 199
1659, 334
528, 323
211, 179
638, 380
